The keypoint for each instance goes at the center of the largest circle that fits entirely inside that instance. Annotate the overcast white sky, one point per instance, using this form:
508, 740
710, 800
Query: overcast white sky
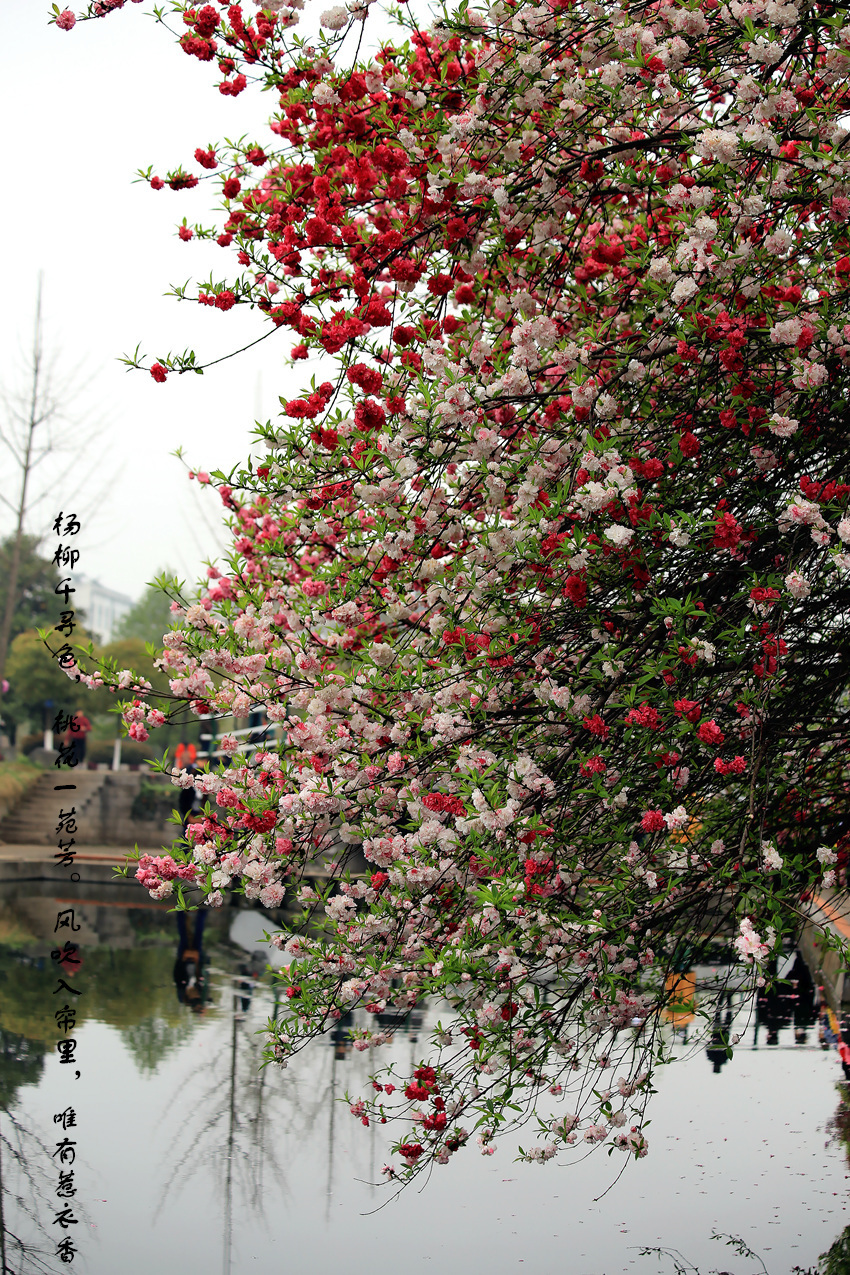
82, 111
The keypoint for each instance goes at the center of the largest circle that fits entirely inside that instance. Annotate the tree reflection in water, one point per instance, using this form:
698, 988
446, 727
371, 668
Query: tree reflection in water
247, 1125
229, 1125
26, 1181
836, 1261
245, 1111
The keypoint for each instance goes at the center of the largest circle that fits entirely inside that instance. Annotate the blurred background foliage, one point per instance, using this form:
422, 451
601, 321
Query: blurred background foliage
39, 689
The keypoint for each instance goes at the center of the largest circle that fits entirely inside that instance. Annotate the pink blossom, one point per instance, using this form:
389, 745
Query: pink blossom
797, 586
782, 426
710, 733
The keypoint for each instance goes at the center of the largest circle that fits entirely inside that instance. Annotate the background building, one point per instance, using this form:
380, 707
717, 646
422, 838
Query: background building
102, 607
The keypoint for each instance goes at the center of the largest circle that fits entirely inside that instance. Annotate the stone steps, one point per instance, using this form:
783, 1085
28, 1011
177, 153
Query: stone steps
103, 801
34, 821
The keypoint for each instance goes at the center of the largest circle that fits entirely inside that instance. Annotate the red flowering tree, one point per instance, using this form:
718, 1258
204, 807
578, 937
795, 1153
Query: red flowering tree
545, 580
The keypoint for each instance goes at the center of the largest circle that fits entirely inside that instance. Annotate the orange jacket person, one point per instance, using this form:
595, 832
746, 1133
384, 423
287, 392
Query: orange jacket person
186, 755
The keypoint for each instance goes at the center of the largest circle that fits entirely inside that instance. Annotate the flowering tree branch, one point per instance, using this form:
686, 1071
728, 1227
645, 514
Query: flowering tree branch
546, 584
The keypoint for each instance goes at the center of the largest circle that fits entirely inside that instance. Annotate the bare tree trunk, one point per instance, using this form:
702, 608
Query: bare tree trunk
34, 419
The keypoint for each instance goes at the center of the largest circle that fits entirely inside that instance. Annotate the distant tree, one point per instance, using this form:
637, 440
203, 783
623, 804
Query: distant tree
149, 618
27, 417
37, 680
35, 605
129, 652
34, 425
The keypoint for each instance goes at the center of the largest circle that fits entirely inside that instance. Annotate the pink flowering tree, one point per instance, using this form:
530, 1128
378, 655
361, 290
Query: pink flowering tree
544, 579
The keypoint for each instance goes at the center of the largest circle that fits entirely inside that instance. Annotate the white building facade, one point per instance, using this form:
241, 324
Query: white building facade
102, 608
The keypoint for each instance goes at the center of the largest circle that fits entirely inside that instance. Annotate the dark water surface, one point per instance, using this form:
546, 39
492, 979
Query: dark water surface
191, 1160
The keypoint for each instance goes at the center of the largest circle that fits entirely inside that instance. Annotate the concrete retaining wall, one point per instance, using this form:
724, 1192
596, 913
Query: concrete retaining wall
828, 968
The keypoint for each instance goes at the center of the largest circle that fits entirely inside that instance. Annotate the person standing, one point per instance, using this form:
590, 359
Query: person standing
75, 736
185, 756
189, 966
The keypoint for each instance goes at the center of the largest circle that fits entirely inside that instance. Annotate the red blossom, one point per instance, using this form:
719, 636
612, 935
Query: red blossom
369, 415
710, 733
575, 589
597, 726
727, 532
367, 378
442, 801
646, 716
688, 708
735, 767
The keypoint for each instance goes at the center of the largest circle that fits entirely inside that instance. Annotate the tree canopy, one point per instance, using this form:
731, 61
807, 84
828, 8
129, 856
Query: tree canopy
38, 688
148, 619
36, 604
545, 584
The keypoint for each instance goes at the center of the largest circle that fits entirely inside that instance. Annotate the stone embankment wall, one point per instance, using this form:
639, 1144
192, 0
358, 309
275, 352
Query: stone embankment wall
828, 966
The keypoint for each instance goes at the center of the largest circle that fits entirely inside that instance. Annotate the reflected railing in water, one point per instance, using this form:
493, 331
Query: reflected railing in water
794, 1003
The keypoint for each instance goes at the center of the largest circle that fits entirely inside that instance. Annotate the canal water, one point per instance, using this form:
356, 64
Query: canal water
191, 1159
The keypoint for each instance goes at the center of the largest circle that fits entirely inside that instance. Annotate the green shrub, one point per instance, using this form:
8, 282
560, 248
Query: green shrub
152, 802
16, 778
133, 751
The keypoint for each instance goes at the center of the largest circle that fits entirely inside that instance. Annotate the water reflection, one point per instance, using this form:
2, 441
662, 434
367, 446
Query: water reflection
24, 1194
717, 1049
791, 1002
190, 965
837, 1260
21, 1063
227, 1124
340, 1036
254, 1155
717, 995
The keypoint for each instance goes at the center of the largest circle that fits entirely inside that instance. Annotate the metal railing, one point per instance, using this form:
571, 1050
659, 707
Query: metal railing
260, 736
